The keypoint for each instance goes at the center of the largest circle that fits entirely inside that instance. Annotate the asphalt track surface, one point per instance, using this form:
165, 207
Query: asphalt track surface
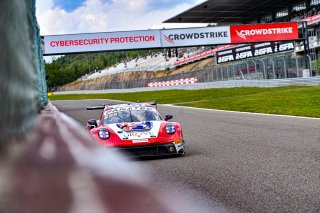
236, 162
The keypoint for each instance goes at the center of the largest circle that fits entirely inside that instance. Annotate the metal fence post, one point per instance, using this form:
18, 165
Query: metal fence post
234, 73
216, 69
264, 69
212, 74
255, 68
242, 76
297, 65
248, 73
285, 68
310, 62
227, 73
273, 69
221, 70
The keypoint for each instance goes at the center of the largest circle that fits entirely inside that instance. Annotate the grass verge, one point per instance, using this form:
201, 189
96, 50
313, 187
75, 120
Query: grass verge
291, 100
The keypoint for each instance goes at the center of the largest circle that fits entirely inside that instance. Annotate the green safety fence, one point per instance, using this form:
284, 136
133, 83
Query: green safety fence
38, 58
22, 74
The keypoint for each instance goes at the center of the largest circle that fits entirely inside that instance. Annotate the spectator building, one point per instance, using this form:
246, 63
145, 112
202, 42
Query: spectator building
234, 12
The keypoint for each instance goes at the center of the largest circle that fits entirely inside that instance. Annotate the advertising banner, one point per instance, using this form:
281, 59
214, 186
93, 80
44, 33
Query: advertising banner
95, 42
195, 36
201, 55
311, 19
253, 50
264, 32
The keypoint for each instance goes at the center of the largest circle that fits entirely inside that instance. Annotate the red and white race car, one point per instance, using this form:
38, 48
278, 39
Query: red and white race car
138, 129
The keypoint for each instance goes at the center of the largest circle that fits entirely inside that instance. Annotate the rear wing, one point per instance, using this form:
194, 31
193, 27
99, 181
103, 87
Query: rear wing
152, 103
95, 107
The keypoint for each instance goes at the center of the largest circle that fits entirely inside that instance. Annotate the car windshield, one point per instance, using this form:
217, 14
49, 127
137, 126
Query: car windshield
131, 116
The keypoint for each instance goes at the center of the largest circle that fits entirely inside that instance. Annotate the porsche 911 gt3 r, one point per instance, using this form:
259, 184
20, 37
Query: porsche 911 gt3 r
138, 129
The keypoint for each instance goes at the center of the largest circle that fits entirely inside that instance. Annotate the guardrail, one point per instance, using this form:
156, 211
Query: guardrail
311, 81
279, 66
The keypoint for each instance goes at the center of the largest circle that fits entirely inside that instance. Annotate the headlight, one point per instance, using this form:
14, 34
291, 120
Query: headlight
170, 128
104, 134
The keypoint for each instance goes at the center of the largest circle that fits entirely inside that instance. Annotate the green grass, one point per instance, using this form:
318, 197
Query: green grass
291, 100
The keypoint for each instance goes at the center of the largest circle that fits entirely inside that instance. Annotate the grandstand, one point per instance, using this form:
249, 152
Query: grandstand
153, 62
255, 11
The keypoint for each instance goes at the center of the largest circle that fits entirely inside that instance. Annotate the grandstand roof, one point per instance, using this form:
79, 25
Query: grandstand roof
231, 11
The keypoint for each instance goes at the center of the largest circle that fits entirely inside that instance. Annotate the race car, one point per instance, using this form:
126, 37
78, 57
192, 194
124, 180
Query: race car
137, 129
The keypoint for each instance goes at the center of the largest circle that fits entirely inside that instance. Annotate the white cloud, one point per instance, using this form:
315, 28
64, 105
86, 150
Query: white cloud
43, 6
132, 6
101, 16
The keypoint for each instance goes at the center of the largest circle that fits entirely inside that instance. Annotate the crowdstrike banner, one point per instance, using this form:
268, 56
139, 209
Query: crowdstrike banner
95, 42
195, 36
264, 32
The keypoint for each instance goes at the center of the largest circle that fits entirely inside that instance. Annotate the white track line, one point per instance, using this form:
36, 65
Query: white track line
216, 110
93, 100
237, 112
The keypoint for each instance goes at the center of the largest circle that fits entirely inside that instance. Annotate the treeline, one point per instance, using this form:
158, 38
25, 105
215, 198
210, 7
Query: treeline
69, 68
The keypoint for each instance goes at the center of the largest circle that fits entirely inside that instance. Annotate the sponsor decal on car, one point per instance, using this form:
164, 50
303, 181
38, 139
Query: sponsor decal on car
138, 134
114, 110
135, 126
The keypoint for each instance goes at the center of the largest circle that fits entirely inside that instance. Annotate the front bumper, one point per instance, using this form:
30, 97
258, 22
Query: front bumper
153, 150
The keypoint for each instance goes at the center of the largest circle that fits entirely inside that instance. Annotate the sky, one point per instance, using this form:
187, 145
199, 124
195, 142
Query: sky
87, 16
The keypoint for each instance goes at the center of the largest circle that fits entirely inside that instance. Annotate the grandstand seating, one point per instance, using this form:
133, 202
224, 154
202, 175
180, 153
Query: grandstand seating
153, 62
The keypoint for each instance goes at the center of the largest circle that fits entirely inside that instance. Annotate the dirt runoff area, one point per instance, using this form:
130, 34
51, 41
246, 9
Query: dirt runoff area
125, 76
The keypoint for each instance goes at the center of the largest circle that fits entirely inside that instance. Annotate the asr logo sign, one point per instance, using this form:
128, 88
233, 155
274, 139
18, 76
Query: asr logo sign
249, 51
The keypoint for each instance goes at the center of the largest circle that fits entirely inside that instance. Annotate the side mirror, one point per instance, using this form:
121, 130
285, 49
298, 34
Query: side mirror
168, 117
92, 122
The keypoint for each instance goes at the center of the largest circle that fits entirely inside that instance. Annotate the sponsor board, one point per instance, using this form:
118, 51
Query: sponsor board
195, 36
264, 32
201, 55
311, 19
253, 50
95, 42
